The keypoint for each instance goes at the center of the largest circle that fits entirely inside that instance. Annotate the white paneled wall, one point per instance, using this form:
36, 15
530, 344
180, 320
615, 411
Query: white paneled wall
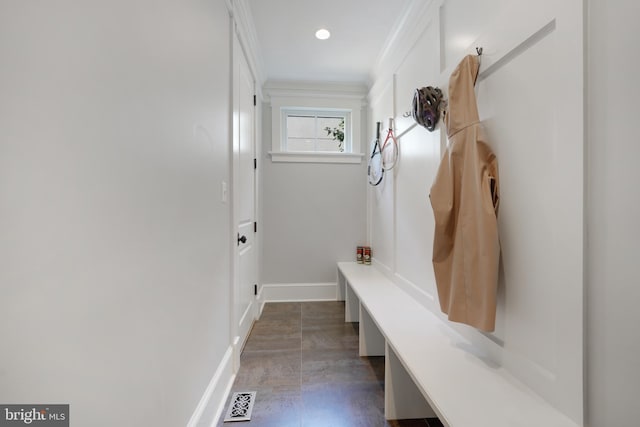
462, 22
381, 201
529, 48
613, 210
420, 154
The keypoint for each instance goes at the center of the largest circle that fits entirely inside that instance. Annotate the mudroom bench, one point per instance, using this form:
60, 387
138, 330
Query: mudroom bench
430, 370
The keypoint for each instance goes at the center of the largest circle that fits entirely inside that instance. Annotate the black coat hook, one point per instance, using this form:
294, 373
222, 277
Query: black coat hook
479, 50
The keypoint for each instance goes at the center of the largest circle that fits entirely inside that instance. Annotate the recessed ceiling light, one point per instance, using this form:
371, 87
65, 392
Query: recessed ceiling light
323, 34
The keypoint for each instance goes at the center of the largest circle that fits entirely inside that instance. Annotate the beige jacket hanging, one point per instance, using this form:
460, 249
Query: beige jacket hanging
464, 198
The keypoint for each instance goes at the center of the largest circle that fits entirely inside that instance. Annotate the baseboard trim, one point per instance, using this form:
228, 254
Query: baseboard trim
289, 292
211, 404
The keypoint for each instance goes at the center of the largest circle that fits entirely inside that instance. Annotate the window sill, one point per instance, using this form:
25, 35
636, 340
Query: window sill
303, 157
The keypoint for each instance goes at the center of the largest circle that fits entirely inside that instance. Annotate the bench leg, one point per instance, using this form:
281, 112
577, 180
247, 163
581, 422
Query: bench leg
351, 305
402, 399
372, 342
340, 289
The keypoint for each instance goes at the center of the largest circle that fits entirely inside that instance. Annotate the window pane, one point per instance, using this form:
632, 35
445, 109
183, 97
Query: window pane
301, 127
308, 131
325, 144
302, 144
331, 123
331, 130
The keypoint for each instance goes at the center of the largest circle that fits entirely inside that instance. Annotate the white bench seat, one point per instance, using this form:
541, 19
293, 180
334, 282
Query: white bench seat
431, 369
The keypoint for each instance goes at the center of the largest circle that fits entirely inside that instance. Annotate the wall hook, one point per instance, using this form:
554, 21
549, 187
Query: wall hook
479, 50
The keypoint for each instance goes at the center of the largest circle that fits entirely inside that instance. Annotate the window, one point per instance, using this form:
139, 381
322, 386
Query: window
327, 131
316, 124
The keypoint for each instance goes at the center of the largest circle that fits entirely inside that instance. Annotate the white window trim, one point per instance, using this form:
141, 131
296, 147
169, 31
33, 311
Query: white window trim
315, 157
346, 114
302, 102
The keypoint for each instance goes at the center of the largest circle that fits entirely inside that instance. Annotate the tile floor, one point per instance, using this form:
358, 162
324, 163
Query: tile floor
302, 360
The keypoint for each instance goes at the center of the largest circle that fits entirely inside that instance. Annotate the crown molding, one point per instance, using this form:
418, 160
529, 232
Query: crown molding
334, 90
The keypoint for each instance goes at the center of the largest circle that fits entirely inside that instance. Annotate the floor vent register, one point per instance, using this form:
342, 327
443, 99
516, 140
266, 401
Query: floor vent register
241, 406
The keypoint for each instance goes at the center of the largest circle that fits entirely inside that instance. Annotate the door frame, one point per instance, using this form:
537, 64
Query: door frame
238, 336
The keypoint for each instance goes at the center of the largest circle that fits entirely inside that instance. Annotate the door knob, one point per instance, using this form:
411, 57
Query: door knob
242, 239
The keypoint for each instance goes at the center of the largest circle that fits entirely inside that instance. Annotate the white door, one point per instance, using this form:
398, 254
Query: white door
245, 254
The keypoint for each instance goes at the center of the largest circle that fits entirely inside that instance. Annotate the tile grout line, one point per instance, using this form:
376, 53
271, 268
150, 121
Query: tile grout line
301, 400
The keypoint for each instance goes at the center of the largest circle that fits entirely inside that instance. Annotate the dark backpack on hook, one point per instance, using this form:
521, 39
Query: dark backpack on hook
426, 103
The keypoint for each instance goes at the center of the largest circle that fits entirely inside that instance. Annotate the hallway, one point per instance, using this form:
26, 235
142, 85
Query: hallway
120, 200
302, 360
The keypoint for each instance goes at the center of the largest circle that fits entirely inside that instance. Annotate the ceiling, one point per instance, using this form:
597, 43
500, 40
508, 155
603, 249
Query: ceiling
288, 48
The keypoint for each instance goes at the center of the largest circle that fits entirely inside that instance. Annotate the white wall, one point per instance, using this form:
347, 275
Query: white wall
313, 215
114, 257
530, 48
613, 209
